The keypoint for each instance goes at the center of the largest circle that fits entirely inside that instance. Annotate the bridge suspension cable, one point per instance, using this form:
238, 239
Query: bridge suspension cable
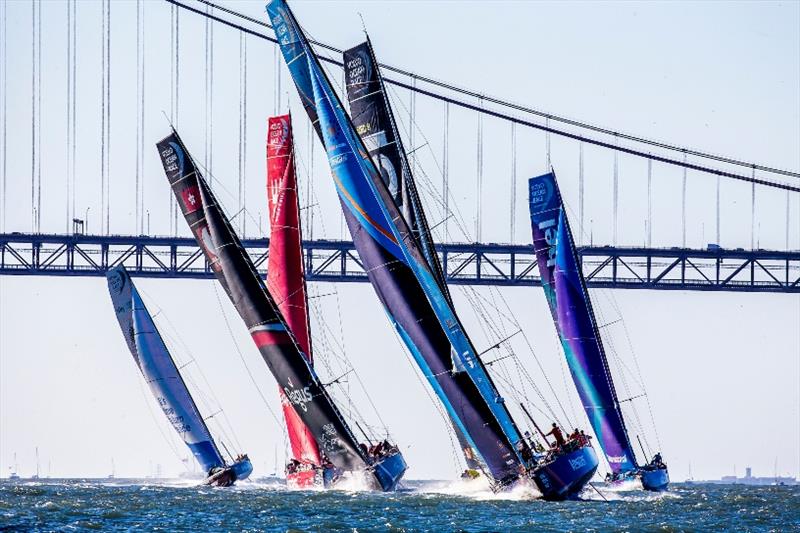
546, 127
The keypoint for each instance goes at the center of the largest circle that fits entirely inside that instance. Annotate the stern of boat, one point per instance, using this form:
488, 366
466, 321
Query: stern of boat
389, 471
656, 480
565, 475
242, 469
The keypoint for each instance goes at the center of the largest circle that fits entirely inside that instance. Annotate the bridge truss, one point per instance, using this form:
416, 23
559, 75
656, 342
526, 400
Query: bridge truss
464, 264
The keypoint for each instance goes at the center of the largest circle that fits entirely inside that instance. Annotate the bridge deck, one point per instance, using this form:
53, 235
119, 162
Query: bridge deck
464, 264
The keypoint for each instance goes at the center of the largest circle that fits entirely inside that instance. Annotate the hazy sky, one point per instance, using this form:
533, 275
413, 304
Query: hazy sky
722, 369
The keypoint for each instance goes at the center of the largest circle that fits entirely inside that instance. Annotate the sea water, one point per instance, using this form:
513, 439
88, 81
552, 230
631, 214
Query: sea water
134, 505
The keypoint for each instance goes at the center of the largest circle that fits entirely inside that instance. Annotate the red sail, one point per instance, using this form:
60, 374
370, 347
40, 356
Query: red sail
285, 277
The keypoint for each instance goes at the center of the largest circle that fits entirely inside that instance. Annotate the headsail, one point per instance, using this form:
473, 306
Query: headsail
571, 307
159, 370
397, 267
237, 275
285, 278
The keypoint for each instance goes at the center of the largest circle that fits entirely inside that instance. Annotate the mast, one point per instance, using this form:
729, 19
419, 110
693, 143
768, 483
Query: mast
571, 308
238, 276
397, 267
159, 369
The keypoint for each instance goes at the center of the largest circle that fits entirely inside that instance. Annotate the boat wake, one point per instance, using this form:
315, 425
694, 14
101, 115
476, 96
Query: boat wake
479, 490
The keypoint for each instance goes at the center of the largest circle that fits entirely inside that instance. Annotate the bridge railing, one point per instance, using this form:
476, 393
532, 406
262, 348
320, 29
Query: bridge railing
464, 263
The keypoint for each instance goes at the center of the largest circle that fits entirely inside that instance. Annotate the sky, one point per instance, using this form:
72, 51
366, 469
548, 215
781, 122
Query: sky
722, 370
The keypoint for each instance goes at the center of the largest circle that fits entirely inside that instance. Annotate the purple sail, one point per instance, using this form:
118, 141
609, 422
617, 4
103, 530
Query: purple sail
565, 289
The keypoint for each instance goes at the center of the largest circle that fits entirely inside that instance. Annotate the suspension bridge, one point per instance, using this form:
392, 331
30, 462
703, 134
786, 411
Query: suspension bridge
210, 87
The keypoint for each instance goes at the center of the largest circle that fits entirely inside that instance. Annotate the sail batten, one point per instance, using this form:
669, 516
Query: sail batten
573, 315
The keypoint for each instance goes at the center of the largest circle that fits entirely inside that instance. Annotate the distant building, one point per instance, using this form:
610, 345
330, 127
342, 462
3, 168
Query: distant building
749, 479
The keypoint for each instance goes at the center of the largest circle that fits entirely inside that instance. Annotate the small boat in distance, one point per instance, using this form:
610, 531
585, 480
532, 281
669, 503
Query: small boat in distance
12, 470
36, 475
166, 383
571, 308
113, 473
287, 284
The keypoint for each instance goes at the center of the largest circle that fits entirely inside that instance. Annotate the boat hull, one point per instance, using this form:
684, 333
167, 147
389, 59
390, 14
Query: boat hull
656, 480
225, 477
389, 471
565, 476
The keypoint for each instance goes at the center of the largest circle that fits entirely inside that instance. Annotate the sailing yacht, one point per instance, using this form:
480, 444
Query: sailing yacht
573, 315
159, 370
36, 475
283, 354
286, 282
389, 230
12, 470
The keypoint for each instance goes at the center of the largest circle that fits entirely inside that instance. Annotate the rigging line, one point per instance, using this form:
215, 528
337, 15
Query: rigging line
495, 100
639, 373
241, 357
158, 424
533, 353
208, 398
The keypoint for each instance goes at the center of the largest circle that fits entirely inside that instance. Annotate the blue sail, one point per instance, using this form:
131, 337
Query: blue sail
571, 308
159, 369
399, 271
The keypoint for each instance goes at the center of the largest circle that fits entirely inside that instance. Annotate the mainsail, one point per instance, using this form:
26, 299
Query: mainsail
374, 122
571, 307
397, 267
285, 278
237, 275
159, 370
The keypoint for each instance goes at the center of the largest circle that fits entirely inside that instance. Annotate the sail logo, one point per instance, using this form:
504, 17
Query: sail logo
551, 238
191, 199
278, 134
338, 159
541, 192
617, 459
299, 397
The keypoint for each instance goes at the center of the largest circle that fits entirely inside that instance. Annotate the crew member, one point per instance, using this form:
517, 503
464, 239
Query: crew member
557, 434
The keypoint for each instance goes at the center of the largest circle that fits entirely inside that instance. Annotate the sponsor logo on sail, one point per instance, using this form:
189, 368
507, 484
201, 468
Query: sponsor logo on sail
299, 397
617, 459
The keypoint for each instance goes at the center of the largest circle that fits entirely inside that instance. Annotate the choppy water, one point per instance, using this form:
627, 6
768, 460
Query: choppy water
140, 505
